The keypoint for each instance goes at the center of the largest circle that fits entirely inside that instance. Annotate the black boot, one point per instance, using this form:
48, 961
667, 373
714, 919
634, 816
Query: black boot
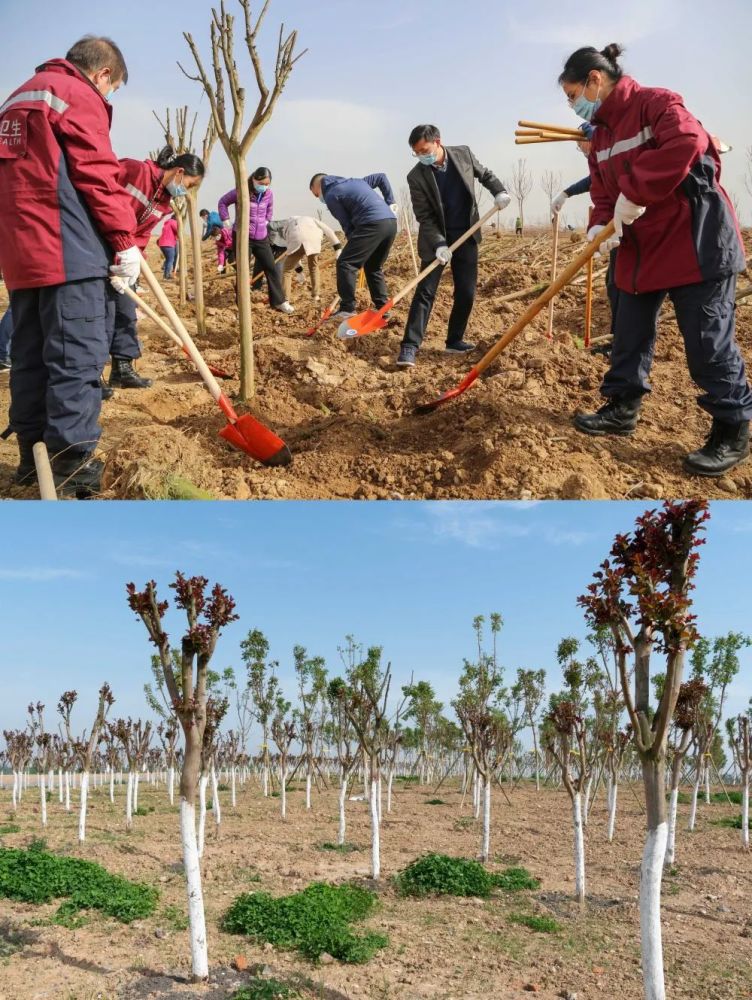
727, 445
107, 393
77, 476
125, 376
618, 416
26, 473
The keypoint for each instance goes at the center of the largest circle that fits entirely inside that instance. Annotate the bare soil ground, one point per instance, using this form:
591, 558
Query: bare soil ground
444, 949
346, 411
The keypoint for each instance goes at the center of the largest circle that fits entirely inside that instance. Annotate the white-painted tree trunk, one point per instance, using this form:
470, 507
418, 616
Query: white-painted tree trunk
202, 783
135, 790
266, 781
671, 832
60, 792
485, 851
196, 917
67, 791
375, 833
82, 811
378, 796
612, 795
171, 784
707, 781
342, 797
283, 791
233, 790
745, 813
586, 804
389, 781
579, 848
15, 790
693, 807
650, 912
476, 795
216, 808
43, 800
308, 790
112, 784
129, 802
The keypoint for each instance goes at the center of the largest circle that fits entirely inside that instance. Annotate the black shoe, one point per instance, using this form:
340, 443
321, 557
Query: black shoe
618, 416
26, 473
407, 356
77, 476
461, 347
727, 445
125, 376
107, 393
4, 367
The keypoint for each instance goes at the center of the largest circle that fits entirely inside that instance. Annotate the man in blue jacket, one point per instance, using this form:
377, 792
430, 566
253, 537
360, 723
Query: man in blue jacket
210, 220
370, 225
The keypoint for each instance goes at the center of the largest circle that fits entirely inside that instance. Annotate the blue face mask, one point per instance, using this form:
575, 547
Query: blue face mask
260, 188
584, 108
428, 159
322, 199
177, 190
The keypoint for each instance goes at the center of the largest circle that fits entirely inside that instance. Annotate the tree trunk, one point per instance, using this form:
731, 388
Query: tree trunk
171, 784
707, 781
695, 793
82, 811
216, 808
389, 781
43, 799
485, 850
283, 788
233, 790
129, 801
60, 792
135, 789
579, 849
182, 257
613, 791
67, 791
196, 918
308, 790
202, 783
242, 259
198, 264
112, 784
342, 797
651, 875
745, 810
535, 749
375, 833
15, 791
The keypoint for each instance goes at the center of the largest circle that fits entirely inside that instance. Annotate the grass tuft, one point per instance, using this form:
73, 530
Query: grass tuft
543, 925
313, 921
441, 875
265, 989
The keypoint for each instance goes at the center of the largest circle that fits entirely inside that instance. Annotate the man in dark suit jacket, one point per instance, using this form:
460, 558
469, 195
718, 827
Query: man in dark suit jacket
442, 188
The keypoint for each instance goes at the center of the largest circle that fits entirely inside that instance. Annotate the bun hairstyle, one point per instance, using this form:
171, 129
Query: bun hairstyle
581, 63
168, 159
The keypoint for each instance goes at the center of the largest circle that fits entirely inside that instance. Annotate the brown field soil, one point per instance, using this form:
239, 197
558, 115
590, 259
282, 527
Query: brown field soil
346, 411
441, 948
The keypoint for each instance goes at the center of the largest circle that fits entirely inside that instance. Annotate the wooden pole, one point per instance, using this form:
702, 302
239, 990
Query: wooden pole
554, 261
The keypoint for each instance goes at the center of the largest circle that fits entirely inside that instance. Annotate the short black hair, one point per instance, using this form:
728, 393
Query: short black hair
315, 178
424, 133
93, 52
581, 63
204, 212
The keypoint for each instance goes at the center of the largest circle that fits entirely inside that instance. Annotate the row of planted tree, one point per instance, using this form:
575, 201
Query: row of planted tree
617, 714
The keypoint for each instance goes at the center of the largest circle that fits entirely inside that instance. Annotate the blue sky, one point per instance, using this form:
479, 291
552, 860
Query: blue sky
376, 69
410, 577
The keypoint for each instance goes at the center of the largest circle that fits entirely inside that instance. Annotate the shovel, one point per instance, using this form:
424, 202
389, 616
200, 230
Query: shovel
371, 320
245, 433
45, 478
324, 317
156, 318
517, 327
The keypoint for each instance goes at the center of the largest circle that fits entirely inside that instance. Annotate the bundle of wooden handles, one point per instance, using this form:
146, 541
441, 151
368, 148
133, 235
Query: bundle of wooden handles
531, 132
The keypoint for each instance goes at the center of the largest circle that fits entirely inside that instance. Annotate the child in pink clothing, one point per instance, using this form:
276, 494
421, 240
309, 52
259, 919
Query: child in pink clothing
168, 244
223, 238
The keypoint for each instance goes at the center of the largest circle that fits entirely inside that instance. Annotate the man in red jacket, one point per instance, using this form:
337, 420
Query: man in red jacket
63, 218
656, 171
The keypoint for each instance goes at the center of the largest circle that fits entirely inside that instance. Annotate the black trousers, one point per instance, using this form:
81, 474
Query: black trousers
263, 260
465, 274
124, 336
706, 314
367, 248
60, 345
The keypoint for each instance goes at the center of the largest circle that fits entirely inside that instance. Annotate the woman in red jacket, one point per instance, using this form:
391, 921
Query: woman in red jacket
656, 171
151, 185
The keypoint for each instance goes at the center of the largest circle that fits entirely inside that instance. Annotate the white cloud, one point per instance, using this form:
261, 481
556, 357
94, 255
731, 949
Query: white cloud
41, 574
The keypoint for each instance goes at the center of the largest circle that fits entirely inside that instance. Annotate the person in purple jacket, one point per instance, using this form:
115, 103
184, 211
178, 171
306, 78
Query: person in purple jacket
262, 212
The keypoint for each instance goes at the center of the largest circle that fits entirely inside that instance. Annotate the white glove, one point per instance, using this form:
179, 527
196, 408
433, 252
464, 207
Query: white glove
444, 255
605, 248
395, 209
127, 265
558, 203
227, 224
119, 285
502, 199
625, 213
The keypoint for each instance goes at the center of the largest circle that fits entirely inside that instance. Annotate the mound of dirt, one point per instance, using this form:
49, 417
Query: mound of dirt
157, 464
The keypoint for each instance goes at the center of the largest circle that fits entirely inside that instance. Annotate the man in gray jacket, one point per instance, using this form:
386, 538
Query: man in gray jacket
442, 188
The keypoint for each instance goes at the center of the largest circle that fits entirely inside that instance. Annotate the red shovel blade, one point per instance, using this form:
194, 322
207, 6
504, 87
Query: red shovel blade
450, 394
259, 442
365, 322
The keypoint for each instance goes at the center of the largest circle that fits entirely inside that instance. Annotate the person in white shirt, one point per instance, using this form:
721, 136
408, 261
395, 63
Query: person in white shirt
303, 236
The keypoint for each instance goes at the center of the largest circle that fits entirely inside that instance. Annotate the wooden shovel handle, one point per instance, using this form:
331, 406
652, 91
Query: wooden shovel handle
436, 263
46, 481
562, 130
529, 139
151, 313
177, 324
553, 289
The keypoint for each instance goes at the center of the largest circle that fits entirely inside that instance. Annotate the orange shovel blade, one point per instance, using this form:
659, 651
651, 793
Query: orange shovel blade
250, 436
365, 322
450, 394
